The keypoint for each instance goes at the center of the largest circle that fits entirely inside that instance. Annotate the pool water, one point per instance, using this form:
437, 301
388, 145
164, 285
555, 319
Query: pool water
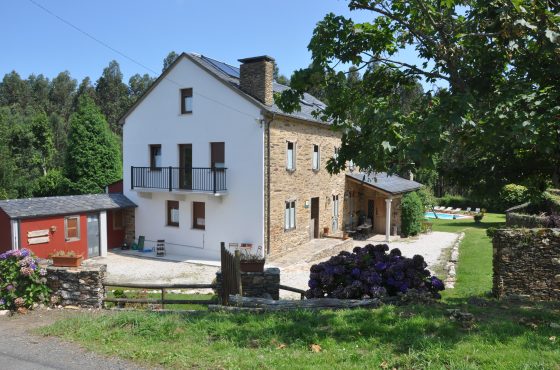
443, 216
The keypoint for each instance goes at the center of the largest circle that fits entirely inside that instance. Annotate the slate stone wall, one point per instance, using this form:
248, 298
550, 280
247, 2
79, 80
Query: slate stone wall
77, 286
258, 284
523, 220
527, 263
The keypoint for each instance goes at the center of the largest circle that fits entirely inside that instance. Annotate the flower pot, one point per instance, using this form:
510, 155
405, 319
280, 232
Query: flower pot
67, 261
252, 266
325, 230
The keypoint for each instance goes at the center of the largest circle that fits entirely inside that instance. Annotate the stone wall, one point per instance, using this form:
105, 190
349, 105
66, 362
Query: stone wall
526, 262
258, 284
77, 286
303, 183
129, 225
523, 220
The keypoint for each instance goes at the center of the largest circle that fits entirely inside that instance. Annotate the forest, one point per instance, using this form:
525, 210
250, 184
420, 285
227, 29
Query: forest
61, 137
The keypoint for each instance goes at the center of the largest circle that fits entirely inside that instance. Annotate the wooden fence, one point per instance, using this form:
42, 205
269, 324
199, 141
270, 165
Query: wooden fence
231, 274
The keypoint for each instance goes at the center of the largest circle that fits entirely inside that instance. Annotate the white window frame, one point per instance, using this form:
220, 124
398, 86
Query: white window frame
66, 238
316, 159
290, 215
291, 165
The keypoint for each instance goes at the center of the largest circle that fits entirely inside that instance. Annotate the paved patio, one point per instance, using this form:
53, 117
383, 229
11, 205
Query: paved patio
138, 267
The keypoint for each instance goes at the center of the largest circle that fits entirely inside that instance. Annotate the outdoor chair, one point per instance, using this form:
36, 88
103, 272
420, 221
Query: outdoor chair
456, 210
468, 209
448, 209
477, 210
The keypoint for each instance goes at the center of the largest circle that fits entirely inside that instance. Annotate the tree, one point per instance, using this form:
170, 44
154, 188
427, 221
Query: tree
84, 89
169, 59
13, 90
498, 111
138, 84
61, 94
93, 155
280, 78
112, 94
39, 91
42, 141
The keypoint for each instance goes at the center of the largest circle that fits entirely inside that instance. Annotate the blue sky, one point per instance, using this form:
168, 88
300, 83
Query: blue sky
32, 41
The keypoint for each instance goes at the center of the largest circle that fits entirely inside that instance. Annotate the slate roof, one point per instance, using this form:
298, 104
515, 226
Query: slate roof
392, 184
63, 205
230, 74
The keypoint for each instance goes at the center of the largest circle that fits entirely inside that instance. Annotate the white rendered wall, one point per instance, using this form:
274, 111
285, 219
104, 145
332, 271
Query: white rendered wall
103, 233
219, 115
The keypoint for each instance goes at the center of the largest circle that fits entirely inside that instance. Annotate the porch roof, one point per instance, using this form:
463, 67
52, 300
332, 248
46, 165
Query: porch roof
63, 205
390, 184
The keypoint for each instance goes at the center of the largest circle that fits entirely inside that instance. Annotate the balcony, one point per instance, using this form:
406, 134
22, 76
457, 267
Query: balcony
194, 179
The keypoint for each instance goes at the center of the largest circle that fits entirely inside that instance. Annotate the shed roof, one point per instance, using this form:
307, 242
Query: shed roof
50, 206
391, 184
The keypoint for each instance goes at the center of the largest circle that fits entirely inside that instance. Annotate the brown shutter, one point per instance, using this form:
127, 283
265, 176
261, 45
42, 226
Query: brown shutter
199, 215
171, 205
217, 154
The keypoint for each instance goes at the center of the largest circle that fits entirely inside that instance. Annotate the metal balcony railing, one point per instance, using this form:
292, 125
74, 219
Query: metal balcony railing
179, 178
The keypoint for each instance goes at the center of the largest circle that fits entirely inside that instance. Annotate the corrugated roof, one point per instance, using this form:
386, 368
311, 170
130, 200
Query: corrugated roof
50, 206
392, 184
230, 74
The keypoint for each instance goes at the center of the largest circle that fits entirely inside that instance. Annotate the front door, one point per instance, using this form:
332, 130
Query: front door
185, 166
93, 241
315, 216
335, 214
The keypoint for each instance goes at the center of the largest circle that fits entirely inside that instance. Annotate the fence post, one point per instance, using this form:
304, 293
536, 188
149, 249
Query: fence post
162, 298
238, 273
132, 177
223, 291
170, 178
214, 175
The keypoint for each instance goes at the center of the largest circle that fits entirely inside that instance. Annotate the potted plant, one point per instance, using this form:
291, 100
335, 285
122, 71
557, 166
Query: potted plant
478, 217
325, 231
66, 259
252, 262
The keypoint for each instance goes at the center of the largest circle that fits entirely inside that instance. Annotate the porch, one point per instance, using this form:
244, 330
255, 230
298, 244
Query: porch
182, 179
373, 204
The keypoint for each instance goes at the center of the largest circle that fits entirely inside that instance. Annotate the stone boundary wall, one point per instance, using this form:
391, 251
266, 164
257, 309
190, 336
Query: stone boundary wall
77, 286
526, 262
257, 284
523, 220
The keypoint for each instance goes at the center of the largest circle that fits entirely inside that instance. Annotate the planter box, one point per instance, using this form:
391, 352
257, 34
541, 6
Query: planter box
67, 261
252, 266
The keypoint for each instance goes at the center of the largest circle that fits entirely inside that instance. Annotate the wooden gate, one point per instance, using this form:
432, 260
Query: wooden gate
231, 274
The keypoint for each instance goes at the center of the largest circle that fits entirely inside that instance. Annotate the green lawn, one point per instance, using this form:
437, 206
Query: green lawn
505, 335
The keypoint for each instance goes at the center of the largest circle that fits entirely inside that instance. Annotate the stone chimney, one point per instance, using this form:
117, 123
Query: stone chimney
256, 76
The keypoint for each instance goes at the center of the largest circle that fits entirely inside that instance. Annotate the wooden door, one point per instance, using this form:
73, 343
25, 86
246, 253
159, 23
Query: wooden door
93, 235
315, 216
185, 166
217, 155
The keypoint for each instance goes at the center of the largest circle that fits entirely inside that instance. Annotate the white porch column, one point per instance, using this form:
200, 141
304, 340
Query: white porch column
103, 233
388, 202
15, 234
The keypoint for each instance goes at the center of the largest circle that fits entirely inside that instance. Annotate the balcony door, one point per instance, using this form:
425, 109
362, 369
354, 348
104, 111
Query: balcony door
185, 166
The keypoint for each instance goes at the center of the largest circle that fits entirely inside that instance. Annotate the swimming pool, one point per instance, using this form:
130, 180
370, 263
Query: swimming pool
443, 216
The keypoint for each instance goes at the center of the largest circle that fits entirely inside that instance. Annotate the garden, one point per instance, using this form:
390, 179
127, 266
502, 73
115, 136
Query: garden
495, 334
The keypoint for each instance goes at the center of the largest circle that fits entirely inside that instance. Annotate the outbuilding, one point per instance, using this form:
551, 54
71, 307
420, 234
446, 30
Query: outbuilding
86, 224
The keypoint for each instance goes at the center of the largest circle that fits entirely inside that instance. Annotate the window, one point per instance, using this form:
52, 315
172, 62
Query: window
217, 155
155, 156
173, 213
118, 219
290, 215
315, 164
291, 156
72, 228
186, 100
199, 218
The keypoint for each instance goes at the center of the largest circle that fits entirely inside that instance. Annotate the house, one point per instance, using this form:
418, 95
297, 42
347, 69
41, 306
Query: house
86, 224
208, 157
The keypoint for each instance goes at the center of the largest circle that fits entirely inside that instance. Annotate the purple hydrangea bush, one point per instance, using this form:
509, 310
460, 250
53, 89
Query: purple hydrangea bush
371, 272
22, 281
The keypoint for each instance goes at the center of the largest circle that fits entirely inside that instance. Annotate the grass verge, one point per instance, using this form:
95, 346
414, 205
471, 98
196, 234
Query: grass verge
504, 336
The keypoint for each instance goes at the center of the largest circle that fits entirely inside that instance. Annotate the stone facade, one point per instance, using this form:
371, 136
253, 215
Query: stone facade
129, 225
257, 284
527, 263
524, 220
81, 286
303, 183
255, 78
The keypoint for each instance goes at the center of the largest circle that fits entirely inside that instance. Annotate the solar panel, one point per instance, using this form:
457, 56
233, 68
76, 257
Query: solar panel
226, 68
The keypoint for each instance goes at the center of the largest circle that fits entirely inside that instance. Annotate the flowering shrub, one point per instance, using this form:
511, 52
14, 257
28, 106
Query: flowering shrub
22, 282
370, 272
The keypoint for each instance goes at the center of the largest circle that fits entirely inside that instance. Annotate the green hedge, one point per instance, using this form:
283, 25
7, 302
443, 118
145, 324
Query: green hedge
412, 214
